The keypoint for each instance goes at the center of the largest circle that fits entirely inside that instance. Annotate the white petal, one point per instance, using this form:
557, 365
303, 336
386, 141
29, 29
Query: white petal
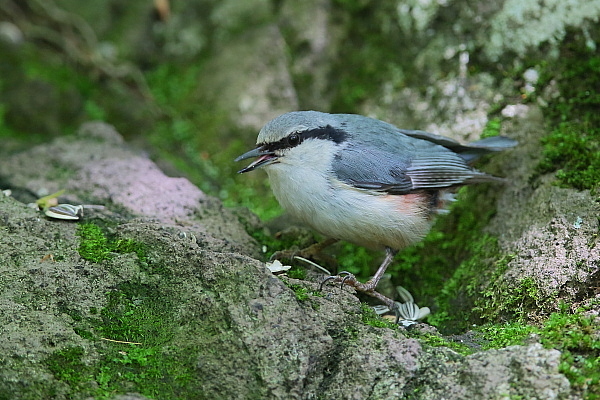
276, 266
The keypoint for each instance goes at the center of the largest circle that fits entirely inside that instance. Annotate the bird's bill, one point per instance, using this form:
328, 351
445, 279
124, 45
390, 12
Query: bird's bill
264, 158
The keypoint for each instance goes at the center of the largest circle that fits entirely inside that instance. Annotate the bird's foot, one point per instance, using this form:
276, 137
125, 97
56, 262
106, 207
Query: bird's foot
347, 278
312, 252
368, 288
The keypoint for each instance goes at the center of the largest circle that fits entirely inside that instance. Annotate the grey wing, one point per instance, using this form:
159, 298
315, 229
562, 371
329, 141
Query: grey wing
430, 167
470, 151
372, 169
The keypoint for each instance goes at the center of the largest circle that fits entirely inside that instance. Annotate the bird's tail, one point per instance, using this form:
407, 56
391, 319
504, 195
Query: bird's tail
471, 151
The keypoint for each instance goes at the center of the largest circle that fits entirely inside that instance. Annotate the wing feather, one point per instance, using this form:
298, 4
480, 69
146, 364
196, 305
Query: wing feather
378, 156
403, 173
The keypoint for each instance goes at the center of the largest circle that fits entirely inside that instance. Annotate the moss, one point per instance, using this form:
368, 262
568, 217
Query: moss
303, 294
503, 300
297, 272
573, 147
94, 245
133, 313
152, 371
130, 338
149, 365
574, 154
575, 335
440, 341
67, 365
370, 317
125, 368
497, 336
97, 246
478, 290
460, 292
578, 339
492, 128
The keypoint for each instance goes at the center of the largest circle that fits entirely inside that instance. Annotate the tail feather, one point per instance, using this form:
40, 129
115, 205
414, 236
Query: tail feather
474, 150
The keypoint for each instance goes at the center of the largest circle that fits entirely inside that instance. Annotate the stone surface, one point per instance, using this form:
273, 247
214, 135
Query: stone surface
206, 308
549, 232
97, 169
239, 331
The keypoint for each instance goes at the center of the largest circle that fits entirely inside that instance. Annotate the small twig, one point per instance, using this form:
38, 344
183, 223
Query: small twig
313, 264
119, 341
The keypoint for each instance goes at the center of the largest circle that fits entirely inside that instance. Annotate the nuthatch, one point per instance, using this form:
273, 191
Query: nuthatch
363, 180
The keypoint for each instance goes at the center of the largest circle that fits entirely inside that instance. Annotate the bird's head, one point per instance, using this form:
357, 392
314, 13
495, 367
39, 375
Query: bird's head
295, 138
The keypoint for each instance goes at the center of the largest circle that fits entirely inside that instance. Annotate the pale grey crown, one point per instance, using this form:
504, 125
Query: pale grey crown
294, 122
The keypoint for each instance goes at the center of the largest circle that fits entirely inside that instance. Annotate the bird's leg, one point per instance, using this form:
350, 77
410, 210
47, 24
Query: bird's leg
372, 283
314, 251
368, 288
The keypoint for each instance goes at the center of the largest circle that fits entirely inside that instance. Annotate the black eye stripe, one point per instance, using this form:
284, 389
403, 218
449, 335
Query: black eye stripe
328, 133
294, 139
284, 143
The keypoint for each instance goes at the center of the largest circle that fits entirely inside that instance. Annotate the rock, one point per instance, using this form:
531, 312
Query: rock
97, 169
492, 375
549, 232
162, 295
178, 308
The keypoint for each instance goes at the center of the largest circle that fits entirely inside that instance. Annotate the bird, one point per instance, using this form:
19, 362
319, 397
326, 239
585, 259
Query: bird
362, 180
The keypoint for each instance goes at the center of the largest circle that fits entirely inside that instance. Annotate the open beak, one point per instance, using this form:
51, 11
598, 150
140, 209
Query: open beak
264, 158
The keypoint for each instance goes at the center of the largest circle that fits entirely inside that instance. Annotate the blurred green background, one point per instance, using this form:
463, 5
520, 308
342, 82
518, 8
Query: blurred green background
192, 82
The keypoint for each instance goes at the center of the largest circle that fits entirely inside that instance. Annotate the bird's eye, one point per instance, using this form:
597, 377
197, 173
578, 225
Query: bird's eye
294, 139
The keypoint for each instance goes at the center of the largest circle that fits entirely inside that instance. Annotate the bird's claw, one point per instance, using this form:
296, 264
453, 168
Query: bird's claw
314, 252
324, 281
345, 278
283, 254
349, 277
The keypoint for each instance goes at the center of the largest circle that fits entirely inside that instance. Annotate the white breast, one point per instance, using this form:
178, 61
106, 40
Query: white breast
307, 189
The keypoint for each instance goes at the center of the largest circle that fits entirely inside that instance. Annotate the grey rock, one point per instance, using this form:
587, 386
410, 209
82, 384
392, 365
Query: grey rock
237, 330
549, 232
96, 169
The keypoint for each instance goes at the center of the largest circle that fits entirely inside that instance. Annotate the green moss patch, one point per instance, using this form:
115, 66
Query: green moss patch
130, 340
95, 246
135, 313
370, 317
575, 335
578, 338
303, 294
492, 128
574, 153
67, 365
572, 149
130, 348
440, 341
297, 272
151, 371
